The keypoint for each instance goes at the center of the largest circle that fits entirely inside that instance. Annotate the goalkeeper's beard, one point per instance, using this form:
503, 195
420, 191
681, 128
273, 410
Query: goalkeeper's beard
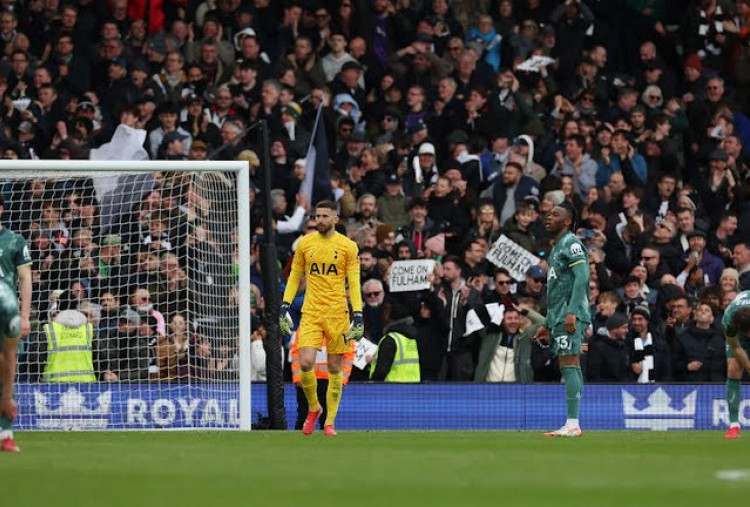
324, 228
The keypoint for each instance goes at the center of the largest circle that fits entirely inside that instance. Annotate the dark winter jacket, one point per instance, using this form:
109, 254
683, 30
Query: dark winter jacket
704, 345
524, 238
452, 317
608, 360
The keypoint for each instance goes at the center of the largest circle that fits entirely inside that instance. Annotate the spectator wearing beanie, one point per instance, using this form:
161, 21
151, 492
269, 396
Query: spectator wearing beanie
298, 135
608, 357
392, 204
698, 256
349, 82
717, 186
422, 172
694, 83
730, 280
420, 227
631, 293
704, 31
385, 237
650, 358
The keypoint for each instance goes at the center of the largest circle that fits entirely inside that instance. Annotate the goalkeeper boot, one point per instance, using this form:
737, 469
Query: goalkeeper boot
329, 431
9, 445
733, 433
565, 431
311, 420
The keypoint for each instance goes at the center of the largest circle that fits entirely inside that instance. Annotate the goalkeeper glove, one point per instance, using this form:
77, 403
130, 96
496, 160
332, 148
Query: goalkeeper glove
356, 329
285, 320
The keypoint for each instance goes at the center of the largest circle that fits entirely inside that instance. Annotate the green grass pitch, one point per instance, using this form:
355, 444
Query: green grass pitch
390, 469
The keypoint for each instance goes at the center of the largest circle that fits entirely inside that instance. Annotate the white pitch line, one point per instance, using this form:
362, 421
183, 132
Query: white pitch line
733, 475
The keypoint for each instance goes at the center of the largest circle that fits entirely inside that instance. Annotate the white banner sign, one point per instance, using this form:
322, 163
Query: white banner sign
496, 311
473, 323
364, 348
512, 256
410, 275
535, 63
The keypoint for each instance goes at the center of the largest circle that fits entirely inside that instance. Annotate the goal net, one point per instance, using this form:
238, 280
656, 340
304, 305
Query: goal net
141, 302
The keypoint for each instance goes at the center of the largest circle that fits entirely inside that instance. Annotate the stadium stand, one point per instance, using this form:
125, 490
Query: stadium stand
449, 125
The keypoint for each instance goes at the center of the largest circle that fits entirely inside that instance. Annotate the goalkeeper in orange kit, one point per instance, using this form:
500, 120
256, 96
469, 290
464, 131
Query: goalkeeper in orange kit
329, 260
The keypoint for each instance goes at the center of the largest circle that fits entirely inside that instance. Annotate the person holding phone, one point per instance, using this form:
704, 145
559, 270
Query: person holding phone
697, 256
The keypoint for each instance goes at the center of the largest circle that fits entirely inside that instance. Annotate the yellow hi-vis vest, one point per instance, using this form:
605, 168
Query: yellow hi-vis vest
69, 356
405, 367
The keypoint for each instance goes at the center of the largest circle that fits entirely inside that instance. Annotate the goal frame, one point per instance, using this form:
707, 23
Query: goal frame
78, 168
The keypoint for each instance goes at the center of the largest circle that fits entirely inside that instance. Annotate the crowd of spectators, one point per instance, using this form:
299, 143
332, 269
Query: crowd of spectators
158, 283
453, 123
449, 123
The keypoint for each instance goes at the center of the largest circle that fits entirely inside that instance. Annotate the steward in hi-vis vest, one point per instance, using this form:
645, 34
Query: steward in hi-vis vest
397, 357
69, 345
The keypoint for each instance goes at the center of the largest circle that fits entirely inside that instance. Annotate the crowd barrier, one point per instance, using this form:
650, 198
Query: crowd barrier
434, 406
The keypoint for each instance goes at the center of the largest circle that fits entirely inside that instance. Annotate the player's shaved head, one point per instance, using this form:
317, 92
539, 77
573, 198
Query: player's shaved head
741, 320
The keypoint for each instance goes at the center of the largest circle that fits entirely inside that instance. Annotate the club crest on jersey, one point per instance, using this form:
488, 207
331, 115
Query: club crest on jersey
323, 269
576, 249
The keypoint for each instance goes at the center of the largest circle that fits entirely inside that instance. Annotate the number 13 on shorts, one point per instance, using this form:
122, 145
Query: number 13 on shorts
563, 343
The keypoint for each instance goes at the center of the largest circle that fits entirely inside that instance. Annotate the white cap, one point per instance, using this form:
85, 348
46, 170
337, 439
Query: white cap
426, 148
245, 32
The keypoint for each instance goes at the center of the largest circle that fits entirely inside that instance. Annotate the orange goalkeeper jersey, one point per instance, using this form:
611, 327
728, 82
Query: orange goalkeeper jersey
327, 263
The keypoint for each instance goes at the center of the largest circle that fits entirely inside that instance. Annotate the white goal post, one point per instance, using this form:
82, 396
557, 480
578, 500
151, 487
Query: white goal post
141, 307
